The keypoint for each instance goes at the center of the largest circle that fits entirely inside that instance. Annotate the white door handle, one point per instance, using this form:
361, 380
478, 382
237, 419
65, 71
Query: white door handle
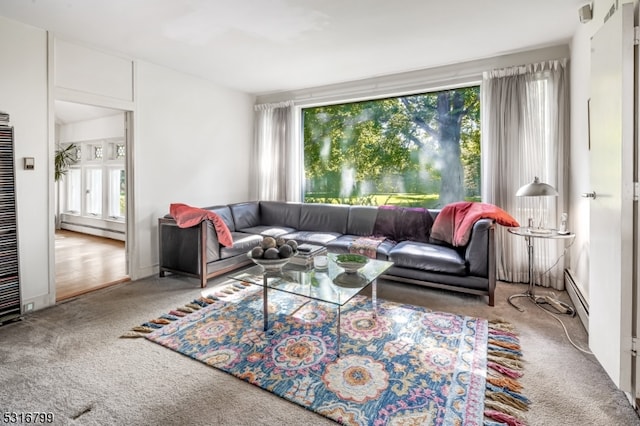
591, 194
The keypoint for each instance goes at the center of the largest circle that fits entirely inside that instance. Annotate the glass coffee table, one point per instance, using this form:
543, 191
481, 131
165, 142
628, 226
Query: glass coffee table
332, 285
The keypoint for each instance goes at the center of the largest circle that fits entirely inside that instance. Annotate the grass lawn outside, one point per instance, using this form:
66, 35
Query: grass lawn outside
431, 201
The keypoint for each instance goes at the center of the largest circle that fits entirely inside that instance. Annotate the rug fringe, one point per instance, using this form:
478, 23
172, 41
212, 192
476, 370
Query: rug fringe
503, 408
504, 353
504, 404
514, 364
501, 324
503, 418
511, 394
132, 334
179, 312
505, 383
506, 399
504, 344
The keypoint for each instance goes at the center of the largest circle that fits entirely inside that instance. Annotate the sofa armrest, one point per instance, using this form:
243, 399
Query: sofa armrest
479, 253
181, 249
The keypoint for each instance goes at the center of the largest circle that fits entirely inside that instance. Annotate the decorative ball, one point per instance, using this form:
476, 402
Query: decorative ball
268, 242
285, 250
293, 244
257, 252
271, 253
280, 242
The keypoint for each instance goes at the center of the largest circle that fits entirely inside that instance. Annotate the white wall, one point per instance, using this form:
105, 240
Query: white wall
87, 130
81, 70
412, 82
23, 94
579, 180
191, 145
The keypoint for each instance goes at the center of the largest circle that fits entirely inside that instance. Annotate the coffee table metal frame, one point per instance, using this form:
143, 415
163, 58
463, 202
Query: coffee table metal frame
332, 285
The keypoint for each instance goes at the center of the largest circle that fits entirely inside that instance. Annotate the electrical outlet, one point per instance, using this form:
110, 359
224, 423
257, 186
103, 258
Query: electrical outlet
28, 307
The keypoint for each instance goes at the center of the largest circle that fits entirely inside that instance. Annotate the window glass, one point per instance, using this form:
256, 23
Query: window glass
116, 193
418, 150
95, 184
93, 189
74, 190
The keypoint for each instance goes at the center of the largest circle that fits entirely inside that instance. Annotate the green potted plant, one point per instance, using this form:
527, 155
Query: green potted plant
64, 157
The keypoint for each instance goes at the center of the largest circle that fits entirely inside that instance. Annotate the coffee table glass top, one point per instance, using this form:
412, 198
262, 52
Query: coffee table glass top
332, 285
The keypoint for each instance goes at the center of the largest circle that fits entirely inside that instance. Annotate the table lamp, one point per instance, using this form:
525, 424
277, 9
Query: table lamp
537, 189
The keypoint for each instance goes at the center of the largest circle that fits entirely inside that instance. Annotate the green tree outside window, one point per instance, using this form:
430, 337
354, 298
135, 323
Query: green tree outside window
418, 150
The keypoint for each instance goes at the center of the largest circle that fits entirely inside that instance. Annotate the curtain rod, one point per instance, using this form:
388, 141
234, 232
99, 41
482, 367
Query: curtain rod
264, 107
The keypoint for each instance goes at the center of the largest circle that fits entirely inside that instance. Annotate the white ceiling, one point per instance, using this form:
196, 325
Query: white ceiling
266, 46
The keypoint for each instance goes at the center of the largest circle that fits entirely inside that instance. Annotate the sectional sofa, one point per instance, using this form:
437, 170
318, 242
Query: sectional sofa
403, 235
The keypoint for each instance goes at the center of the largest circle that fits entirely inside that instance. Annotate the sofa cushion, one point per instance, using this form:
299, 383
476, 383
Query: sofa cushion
361, 220
245, 215
324, 218
428, 257
343, 243
385, 248
279, 213
268, 231
242, 243
311, 237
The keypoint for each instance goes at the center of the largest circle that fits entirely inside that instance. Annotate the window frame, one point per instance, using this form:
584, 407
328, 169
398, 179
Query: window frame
473, 80
107, 162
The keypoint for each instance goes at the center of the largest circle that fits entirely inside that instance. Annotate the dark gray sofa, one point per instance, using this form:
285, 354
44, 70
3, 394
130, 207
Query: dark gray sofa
417, 258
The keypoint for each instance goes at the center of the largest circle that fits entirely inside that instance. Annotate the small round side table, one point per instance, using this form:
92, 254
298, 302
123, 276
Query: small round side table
529, 234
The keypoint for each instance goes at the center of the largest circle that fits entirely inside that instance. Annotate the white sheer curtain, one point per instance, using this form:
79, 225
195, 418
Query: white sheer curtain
276, 163
525, 131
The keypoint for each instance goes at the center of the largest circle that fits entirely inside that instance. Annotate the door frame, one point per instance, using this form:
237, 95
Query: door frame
128, 107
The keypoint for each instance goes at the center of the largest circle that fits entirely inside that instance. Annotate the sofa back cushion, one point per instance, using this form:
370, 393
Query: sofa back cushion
385, 224
415, 224
324, 217
245, 215
225, 213
403, 223
280, 213
361, 220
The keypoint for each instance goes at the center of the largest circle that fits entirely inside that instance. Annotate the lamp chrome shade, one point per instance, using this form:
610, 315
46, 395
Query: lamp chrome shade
536, 189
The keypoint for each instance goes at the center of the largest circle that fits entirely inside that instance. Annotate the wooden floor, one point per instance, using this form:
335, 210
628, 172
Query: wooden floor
85, 263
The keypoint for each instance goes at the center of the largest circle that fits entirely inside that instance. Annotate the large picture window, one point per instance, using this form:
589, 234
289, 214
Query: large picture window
418, 150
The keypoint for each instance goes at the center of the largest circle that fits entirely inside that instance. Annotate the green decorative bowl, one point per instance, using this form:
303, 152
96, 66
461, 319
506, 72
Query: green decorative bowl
351, 263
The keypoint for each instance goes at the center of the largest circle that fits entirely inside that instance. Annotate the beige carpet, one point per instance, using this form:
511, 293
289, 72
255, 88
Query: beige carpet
69, 360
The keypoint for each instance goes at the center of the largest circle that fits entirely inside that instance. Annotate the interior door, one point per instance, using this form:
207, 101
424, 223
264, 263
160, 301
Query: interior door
611, 260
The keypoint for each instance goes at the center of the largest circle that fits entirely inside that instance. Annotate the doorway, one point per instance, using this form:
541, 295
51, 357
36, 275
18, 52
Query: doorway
90, 235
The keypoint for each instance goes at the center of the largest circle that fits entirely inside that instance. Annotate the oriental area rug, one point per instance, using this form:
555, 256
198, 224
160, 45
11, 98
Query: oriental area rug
407, 365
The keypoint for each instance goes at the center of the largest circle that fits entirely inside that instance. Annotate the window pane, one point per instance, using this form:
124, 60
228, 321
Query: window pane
117, 193
419, 150
74, 191
94, 192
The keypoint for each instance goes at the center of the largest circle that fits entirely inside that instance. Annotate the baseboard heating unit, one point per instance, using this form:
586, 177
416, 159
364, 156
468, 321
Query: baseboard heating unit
577, 298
